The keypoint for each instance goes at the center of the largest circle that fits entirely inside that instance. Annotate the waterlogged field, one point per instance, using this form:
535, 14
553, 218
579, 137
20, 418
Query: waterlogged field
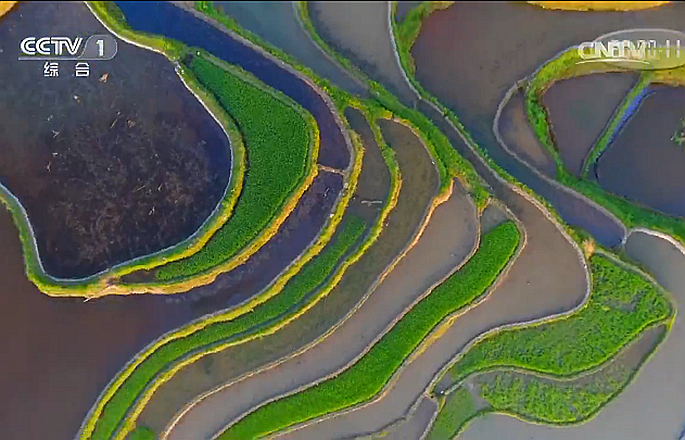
644, 162
366, 377
344, 324
111, 167
621, 305
579, 109
279, 145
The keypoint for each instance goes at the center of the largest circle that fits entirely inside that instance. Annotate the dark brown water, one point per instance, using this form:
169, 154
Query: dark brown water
643, 163
579, 109
276, 23
62, 352
110, 167
59, 353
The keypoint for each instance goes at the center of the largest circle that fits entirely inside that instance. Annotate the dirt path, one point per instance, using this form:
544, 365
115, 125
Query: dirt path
545, 279
448, 239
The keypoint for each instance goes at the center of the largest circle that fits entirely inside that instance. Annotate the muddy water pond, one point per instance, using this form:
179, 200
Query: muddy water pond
643, 163
276, 23
163, 18
359, 31
456, 62
653, 406
579, 109
419, 184
109, 167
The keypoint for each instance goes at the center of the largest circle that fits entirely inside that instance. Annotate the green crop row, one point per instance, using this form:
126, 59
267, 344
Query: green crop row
278, 143
312, 274
142, 433
621, 305
457, 410
367, 376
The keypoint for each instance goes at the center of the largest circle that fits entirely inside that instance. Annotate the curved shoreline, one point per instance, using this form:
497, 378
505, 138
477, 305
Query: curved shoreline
437, 199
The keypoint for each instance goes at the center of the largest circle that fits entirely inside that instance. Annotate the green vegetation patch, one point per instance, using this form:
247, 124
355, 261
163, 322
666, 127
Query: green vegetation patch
278, 143
551, 402
458, 409
142, 433
407, 31
312, 274
368, 376
621, 305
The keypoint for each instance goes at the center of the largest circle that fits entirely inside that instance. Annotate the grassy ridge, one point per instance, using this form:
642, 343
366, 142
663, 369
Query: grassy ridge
368, 376
407, 31
458, 409
621, 305
312, 274
277, 162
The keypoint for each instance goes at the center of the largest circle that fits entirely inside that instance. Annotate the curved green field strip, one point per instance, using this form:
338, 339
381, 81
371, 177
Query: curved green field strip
277, 140
312, 274
565, 66
103, 283
124, 400
367, 376
622, 304
455, 411
547, 400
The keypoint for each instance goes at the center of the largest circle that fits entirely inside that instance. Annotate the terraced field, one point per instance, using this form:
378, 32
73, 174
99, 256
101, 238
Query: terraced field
406, 237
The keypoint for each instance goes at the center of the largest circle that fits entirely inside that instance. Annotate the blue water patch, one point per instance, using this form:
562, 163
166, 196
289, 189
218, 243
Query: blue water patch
630, 111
